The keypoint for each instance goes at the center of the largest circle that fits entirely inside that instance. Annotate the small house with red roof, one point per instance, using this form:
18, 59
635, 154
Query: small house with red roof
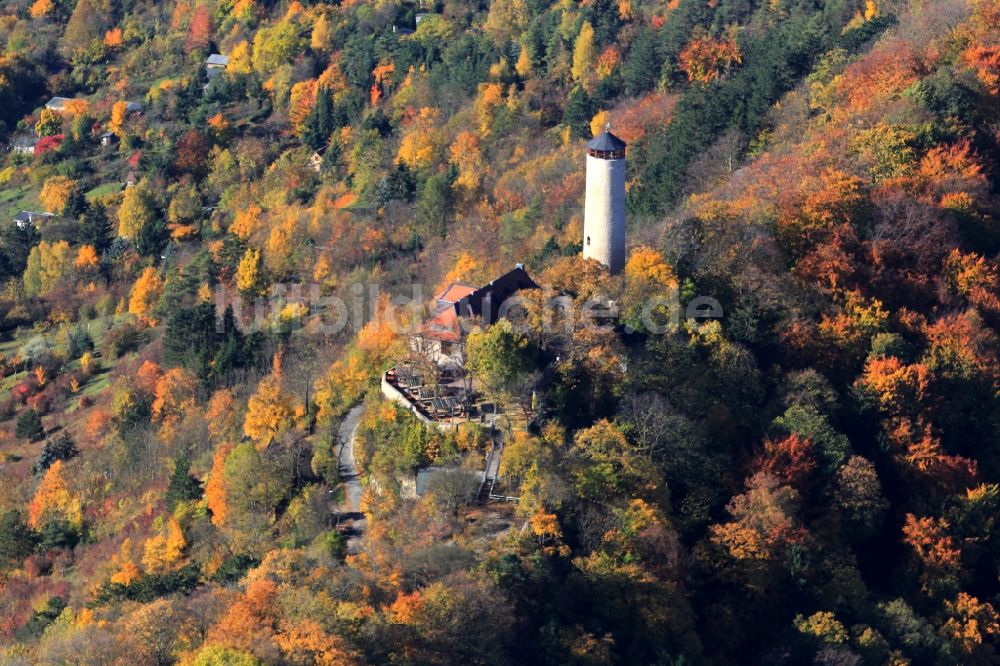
442, 336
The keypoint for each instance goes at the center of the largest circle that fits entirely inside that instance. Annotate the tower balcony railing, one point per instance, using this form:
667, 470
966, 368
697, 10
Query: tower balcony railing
607, 154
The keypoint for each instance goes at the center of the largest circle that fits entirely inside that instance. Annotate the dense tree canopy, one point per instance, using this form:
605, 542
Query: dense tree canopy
198, 462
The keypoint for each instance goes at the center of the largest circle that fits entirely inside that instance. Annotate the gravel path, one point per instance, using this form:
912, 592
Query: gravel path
351, 478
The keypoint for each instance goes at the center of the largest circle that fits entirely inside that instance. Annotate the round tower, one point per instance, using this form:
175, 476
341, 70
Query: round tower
604, 211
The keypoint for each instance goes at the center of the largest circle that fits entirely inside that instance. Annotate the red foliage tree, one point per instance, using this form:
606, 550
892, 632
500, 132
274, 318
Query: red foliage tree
790, 460
49, 143
200, 32
192, 153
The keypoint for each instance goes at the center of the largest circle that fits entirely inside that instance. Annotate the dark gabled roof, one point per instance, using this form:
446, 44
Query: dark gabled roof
30, 215
485, 302
606, 142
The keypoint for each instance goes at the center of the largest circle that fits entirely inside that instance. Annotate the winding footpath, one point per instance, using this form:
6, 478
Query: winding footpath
351, 478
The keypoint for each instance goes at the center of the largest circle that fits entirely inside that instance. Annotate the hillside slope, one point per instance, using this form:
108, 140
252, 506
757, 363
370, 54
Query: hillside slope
810, 478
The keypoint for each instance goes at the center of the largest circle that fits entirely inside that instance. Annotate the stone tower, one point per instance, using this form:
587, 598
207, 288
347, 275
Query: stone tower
604, 211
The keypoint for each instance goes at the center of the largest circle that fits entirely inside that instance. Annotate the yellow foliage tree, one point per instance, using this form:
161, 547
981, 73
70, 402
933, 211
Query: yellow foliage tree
347, 379
823, 625
489, 99
647, 265
269, 412
307, 642
49, 123
468, 159
49, 266
545, 527
418, 146
599, 122
53, 500
524, 64
285, 243
322, 35
506, 18
76, 107
249, 273
55, 193
145, 293
239, 58
135, 211
972, 623
119, 114
87, 365
246, 221
584, 53
467, 267
164, 550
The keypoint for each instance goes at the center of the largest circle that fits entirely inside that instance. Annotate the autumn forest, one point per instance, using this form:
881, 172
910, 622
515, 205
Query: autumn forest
196, 468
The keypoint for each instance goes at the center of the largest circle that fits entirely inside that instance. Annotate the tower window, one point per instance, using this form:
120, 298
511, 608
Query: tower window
588, 240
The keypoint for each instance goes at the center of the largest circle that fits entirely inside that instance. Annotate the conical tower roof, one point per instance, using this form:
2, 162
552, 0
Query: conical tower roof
606, 142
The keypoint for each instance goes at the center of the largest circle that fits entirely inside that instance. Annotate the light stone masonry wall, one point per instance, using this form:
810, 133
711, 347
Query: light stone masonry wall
604, 213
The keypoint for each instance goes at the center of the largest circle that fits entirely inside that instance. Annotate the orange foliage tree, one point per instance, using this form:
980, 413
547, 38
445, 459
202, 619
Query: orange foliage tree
222, 417
113, 38
215, 489
706, 58
174, 397
145, 295
934, 548
764, 520
55, 193
53, 500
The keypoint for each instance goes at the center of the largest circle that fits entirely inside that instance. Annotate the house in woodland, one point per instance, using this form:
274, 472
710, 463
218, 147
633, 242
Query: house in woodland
215, 64
441, 337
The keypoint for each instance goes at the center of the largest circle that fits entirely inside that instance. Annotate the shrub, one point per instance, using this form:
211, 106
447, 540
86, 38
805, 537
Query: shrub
43, 618
234, 567
150, 586
78, 342
59, 448
58, 533
335, 544
123, 339
29, 426
17, 540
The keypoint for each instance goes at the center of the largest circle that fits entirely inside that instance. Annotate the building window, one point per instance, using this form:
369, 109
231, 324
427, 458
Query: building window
588, 241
